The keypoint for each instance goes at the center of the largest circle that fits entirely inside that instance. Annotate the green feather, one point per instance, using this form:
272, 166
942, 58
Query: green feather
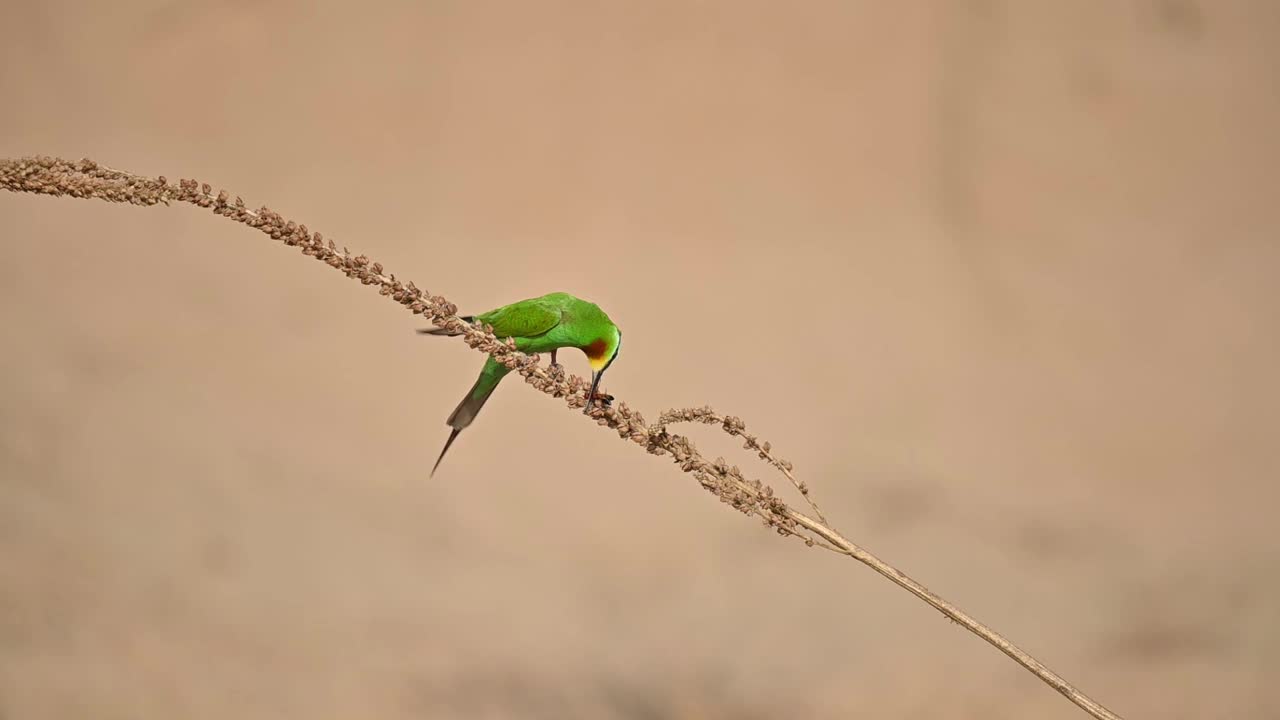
525, 319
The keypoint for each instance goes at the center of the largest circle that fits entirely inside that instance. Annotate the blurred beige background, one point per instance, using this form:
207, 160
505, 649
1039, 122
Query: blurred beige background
1000, 278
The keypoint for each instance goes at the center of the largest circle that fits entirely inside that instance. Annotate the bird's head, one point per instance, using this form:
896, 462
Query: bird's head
601, 352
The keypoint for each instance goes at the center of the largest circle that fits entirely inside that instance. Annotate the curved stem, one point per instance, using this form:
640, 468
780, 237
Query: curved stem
87, 179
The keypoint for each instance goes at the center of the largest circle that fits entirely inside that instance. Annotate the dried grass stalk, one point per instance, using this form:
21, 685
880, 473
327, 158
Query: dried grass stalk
87, 179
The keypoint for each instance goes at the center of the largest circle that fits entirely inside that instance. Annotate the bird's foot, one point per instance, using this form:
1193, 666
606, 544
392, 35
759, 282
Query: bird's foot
556, 370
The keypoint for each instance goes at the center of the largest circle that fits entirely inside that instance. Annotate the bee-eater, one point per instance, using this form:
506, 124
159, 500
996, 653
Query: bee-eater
538, 325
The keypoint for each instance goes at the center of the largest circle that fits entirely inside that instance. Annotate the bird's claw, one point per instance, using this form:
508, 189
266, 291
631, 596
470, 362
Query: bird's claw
556, 370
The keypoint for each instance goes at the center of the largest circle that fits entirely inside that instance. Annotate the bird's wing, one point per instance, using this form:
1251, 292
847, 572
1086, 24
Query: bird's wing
525, 319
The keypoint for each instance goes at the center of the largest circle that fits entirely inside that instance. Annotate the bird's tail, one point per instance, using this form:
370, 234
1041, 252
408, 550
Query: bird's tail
444, 331
466, 412
452, 436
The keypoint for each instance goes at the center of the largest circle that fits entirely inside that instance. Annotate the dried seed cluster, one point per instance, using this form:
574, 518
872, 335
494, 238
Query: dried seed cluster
82, 179
736, 427
87, 179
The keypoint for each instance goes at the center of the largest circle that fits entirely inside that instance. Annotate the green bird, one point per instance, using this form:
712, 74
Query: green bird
538, 325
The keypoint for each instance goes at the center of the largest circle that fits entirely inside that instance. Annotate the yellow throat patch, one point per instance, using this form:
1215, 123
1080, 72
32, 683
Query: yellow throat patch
595, 355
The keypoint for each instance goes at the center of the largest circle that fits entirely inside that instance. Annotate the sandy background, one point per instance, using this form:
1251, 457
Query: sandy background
1000, 278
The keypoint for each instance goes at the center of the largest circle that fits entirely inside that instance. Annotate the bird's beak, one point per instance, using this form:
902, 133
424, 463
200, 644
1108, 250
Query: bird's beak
591, 394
